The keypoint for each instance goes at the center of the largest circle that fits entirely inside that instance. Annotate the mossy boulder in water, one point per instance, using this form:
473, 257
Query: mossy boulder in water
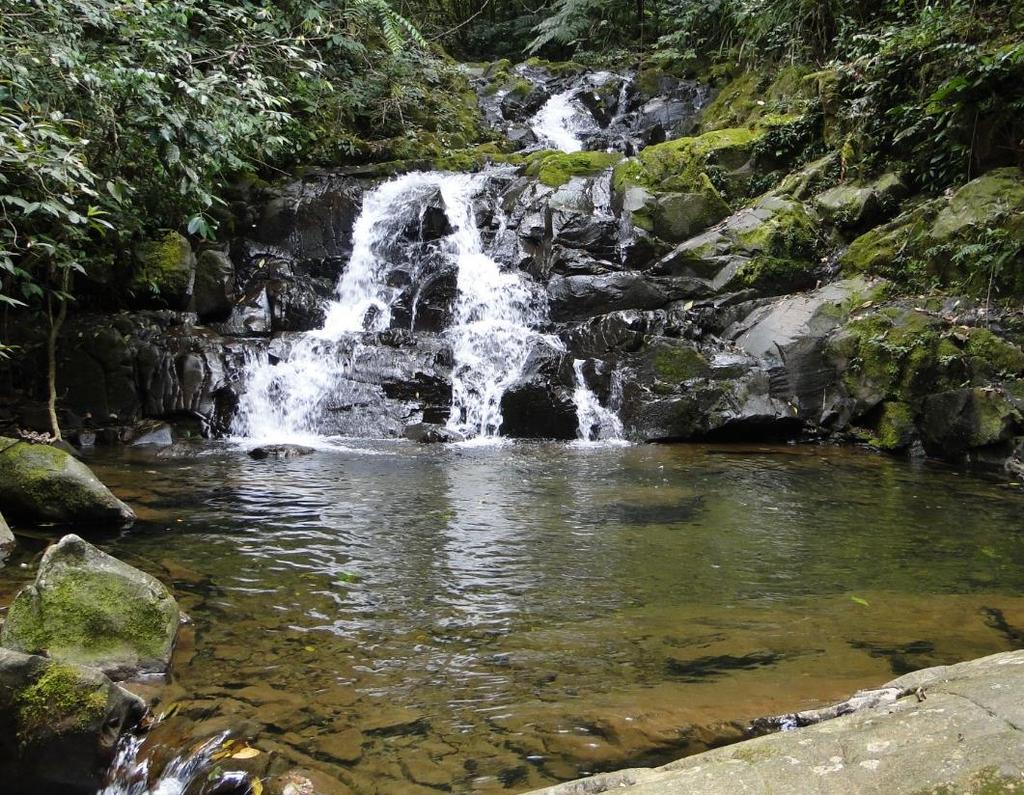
960, 420
88, 608
59, 725
43, 484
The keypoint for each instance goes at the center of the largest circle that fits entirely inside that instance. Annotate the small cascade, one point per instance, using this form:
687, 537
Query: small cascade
129, 775
596, 423
292, 392
561, 122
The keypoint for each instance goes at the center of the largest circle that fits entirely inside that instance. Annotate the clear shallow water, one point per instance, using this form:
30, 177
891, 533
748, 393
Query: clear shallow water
491, 619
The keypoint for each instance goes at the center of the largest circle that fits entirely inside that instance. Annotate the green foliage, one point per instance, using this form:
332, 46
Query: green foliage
125, 116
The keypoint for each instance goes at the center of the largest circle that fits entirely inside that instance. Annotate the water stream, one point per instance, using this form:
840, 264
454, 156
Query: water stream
492, 619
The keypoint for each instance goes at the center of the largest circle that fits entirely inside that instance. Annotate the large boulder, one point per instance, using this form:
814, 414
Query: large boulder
59, 725
88, 608
773, 247
43, 484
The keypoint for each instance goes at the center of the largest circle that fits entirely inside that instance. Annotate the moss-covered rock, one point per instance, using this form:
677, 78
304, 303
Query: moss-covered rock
682, 165
88, 608
40, 483
972, 241
960, 420
164, 272
681, 187
853, 205
772, 247
749, 100
554, 169
214, 291
59, 724
895, 429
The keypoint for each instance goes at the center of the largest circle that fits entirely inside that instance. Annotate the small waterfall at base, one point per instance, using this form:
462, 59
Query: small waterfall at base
491, 334
130, 776
596, 423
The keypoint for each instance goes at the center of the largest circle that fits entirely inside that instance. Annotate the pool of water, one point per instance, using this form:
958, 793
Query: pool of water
410, 618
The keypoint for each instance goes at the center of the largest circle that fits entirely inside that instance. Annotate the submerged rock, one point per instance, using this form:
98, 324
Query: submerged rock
43, 484
59, 725
88, 608
946, 729
430, 433
280, 451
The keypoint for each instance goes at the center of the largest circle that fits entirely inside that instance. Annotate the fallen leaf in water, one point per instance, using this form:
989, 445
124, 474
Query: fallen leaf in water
245, 753
860, 601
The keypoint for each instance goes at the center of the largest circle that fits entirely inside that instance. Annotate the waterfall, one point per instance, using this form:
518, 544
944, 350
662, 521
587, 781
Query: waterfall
560, 122
596, 423
491, 333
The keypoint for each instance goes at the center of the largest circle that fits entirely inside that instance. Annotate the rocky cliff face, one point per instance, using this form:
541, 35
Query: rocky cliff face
714, 285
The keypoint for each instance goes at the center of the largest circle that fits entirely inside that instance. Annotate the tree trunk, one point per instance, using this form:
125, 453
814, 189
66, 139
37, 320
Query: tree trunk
51, 356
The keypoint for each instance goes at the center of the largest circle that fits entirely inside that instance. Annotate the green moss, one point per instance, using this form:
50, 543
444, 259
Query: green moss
681, 165
991, 356
896, 428
556, 68
163, 266
747, 102
898, 354
678, 363
60, 700
86, 616
773, 275
554, 169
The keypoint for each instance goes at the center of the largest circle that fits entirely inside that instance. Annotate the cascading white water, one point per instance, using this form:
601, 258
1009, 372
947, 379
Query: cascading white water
492, 333
560, 122
130, 776
595, 422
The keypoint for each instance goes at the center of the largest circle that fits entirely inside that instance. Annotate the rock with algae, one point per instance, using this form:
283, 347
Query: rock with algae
59, 725
43, 484
88, 608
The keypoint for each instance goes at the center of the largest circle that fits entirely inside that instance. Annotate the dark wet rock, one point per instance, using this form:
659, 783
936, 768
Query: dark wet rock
960, 420
280, 451
540, 404
88, 608
59, 725
427, 433
214, 291
579, 297
39, 483
158, 365
311, 218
